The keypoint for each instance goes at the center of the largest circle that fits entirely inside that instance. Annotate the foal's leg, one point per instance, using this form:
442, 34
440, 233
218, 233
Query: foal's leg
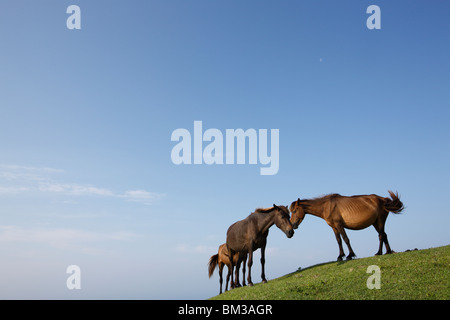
220, 277
339, 241
263, 261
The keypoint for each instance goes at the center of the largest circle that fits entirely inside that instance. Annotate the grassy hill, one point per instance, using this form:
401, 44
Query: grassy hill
418, 274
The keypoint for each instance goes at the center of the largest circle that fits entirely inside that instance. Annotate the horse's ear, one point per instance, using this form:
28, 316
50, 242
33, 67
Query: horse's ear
275, 206
298, 200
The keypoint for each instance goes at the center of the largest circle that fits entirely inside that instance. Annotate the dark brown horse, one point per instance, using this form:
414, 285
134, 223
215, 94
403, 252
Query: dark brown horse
355, 213
250, 234
221, 259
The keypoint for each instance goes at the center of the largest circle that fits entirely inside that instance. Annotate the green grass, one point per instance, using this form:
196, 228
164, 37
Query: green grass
419, 274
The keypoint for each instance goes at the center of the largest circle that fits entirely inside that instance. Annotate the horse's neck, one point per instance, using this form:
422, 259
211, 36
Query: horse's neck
265, 221
314, 208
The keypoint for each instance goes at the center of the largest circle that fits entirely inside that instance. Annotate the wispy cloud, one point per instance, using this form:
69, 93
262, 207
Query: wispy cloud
74, 189
15, 179
141, 196
61, 238
17, 173
31, 169
189, 249
13, 190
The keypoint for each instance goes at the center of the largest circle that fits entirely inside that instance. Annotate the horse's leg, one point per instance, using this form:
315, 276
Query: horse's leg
351, 254
263, 261
244, 261
220, 277
380, 237
386, 243
339, 241
231, 254
385, 238
238, 265
228, 279
379, 226
249, 264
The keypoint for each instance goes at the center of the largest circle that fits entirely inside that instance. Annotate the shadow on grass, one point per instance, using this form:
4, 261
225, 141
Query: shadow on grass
300, 270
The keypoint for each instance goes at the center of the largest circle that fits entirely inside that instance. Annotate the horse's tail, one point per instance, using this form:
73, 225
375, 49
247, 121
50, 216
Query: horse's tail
393, 205
213, 261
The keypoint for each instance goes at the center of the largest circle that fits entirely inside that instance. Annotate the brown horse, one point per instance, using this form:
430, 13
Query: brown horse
355, 213
250, 234
222, 258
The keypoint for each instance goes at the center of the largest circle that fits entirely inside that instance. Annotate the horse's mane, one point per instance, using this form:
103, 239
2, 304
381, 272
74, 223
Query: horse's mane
264, 210
319, 200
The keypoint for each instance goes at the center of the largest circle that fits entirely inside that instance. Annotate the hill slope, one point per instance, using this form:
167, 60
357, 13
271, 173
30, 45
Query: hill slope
419, 274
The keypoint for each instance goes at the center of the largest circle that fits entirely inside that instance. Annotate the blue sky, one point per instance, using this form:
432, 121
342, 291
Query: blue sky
86, 176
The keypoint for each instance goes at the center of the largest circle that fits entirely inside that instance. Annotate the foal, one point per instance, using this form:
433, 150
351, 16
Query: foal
222, 258
250, 234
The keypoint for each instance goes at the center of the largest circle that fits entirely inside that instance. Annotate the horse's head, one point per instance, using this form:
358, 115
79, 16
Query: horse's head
282, 220
297, 213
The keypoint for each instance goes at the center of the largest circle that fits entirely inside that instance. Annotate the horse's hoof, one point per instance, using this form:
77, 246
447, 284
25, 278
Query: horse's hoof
250, 284
339, 258
264, 281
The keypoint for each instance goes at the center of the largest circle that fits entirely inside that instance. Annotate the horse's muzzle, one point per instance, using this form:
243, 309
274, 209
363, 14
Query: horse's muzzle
289, 233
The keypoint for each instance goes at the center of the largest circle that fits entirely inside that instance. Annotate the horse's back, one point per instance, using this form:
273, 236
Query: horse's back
223, 254
358, 212
236, 236
244, 235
